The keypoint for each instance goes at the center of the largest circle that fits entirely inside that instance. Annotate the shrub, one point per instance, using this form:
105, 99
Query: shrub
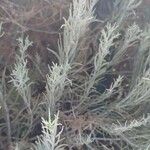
116, 117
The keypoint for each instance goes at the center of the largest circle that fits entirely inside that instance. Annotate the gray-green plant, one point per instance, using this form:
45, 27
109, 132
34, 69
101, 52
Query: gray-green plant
19, 76
51, 137
121, 117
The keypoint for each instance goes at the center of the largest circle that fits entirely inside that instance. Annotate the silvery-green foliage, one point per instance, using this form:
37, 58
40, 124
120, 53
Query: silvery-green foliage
1, 30
80, 16
17, 147
124, 9
135, 132
106, 41
147, 147
133, 35
140, 93
142, 60
116, 84
110, 107
128, 126
145, 41
19, 76
140, 86
56, 81
114, 88
51, 137
81, 139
